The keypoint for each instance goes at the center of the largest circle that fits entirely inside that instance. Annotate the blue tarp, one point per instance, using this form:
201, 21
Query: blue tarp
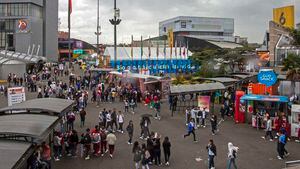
265, 98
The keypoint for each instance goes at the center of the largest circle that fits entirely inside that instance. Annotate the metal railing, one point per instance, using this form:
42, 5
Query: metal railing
291, 164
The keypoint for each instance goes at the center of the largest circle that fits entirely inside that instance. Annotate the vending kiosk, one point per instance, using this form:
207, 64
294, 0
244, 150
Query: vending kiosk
295, 120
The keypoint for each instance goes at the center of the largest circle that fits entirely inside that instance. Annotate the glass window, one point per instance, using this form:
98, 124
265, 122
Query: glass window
2, 25
183, 24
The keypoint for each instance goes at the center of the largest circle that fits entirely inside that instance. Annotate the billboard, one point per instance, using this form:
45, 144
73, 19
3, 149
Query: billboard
204, 102
15, 95
284, 16
22, 26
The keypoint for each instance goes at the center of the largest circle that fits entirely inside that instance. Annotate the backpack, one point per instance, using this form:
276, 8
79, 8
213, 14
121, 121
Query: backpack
87, 139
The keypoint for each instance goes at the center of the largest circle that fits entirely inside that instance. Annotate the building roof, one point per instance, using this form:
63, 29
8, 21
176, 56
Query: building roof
222, 79
27, 125
124, 53
11, 153
52, 105
137, 75
22, 57
204, 87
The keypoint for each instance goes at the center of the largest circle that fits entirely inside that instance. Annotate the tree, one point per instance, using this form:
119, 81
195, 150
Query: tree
292, 66
296, 37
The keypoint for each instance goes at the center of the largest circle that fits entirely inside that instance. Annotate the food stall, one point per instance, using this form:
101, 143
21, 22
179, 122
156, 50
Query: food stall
295, 121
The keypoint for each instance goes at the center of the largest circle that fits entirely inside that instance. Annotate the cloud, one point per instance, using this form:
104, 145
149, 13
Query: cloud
141, 17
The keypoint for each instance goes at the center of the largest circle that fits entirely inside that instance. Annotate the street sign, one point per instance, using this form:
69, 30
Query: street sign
78, 51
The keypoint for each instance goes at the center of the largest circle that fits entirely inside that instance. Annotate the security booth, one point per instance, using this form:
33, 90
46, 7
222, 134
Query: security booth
27, 124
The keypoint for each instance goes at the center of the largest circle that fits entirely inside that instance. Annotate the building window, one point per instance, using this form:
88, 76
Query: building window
19, 9
165, 29
183, 24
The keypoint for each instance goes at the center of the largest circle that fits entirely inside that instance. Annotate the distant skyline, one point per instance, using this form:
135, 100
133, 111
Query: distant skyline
141, 17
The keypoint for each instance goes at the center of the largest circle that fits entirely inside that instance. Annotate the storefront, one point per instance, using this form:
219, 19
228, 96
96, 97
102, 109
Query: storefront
256, 108
295, 121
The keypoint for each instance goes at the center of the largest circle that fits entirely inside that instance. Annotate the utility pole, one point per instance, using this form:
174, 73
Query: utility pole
115, 21
98, 33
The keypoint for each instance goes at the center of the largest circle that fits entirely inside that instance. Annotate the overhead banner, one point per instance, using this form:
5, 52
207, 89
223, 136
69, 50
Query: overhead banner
15, 95
204, 102
284, 16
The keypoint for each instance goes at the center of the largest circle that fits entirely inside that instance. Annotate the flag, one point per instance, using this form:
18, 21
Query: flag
183, 53
165, 52
187, 49
70, 6
149, 48
176, 48
180, 49
131, 51
142, 52
157, 50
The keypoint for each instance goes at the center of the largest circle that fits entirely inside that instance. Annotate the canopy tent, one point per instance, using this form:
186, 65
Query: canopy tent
205, 87
128, 74
51, 105
13, 154
222, 79
265, 98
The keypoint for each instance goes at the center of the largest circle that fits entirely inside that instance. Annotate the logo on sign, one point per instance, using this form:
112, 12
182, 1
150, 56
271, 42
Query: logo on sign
267, 77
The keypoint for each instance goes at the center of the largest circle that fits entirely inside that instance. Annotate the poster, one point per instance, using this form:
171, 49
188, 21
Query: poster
15, 95
204, 102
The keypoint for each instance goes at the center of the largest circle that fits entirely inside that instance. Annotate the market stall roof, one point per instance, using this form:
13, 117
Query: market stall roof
53, 105
137, 75
35, 126
12, 153
267, 98
102, 69
204, 87
222, 79
243, 75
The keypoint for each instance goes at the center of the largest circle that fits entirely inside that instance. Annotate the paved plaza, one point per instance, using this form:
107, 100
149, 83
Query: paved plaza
254, 151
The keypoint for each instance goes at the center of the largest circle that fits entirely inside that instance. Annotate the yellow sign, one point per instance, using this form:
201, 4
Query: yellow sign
170, 37
284, 16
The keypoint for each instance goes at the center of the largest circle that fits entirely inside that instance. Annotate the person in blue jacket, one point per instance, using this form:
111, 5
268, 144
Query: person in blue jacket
191, 130
280, 145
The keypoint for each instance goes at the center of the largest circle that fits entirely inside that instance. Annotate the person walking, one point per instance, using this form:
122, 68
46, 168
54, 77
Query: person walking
268, 129
82, 117
74, 140
109, 121
232, 151
222, 112
145, 157
57, 146
126, 102
87, 144
280, 145
213, 122
157, 150
103, 144
120, 119
114, 120
137, 154
212, 152
191, 130
111, 141
130, 130
167, 150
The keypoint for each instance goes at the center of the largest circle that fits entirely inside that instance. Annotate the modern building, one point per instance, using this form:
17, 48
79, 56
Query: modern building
217, 29
30, 26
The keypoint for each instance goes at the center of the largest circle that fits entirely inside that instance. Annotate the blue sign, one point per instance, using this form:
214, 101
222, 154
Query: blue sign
267, 77
156, 66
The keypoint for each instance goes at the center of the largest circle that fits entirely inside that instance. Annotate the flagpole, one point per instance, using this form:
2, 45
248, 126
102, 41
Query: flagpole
157, 53
142, 54
69, 32
131, 52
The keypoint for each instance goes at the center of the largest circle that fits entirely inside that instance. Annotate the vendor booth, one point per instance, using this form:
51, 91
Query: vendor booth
256, 108
295, 121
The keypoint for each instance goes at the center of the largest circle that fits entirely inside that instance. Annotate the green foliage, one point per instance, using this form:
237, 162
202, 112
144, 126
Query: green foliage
292, 65
296, 37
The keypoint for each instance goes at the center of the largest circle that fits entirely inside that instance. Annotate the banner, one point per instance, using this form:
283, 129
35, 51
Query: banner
171, 38
15, 95
204, 102
284, 16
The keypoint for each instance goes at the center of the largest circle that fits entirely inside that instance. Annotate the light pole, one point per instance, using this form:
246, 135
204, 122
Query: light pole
98, 33
115, 21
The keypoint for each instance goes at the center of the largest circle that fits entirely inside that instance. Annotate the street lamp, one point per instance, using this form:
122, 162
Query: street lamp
115, 21
98, 33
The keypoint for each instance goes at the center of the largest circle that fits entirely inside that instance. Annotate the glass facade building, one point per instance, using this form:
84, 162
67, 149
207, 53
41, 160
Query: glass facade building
29, 24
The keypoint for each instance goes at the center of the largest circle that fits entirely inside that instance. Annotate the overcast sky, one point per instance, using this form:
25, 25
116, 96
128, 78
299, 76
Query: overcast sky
141, 17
